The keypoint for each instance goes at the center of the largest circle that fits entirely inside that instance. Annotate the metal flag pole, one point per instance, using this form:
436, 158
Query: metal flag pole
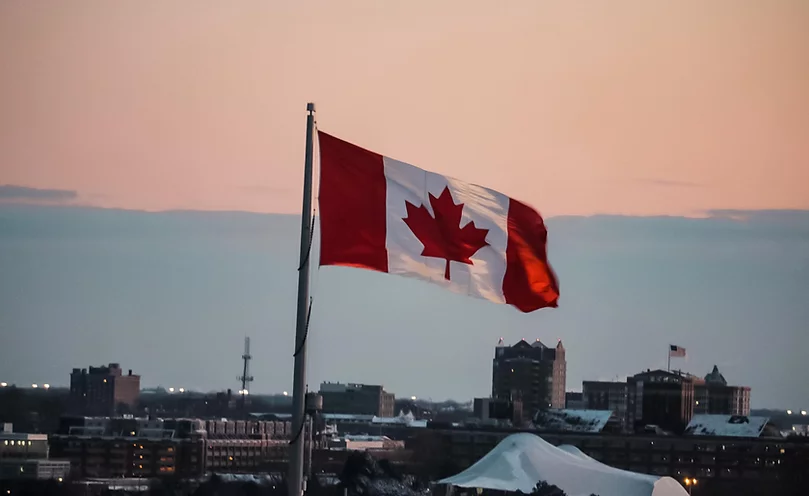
295, 479
668, 367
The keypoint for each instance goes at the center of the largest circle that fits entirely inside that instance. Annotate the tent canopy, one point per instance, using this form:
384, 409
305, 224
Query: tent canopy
522, 460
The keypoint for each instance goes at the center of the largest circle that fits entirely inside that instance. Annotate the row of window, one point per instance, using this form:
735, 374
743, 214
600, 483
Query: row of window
6, 442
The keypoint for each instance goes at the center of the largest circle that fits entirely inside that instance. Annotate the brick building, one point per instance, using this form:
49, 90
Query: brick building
713, 395
138, 447
531, 373
660, 398
605, 395
103, 390
357, 399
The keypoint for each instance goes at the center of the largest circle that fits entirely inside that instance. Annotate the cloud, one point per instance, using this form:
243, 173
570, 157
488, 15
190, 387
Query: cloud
796, 219
264, 190
13, 193
670, 183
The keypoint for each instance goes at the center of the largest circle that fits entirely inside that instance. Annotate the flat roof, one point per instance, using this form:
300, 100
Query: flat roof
21, 436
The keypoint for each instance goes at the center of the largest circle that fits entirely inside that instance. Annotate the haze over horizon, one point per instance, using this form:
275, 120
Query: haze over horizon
171, 296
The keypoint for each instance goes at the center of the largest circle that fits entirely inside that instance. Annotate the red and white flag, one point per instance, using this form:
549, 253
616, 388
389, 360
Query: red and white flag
676, 351
381, 214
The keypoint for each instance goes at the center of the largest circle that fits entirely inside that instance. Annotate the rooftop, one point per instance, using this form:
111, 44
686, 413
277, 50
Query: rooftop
564, 420
726, 425
20, 436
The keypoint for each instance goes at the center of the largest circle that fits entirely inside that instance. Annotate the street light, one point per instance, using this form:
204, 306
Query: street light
689, 483
171, 390
803, 412
46, 386
3, 384
789, 412
34, 386
412, 398
286, 394
182, 390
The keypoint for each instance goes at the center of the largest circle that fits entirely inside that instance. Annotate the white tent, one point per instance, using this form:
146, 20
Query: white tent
521, 460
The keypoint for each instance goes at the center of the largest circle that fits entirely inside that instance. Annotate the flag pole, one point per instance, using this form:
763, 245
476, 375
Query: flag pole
668, 367
295, 479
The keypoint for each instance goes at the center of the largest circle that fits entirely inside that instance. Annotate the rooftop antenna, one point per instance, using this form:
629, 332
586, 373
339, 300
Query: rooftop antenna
246, 378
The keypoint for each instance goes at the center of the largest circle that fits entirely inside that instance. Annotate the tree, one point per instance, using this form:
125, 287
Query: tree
544, 489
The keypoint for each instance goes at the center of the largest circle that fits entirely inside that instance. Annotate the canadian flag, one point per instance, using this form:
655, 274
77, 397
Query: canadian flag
381, 214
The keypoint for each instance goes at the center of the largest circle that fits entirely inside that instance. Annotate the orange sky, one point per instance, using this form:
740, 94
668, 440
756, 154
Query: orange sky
634, 107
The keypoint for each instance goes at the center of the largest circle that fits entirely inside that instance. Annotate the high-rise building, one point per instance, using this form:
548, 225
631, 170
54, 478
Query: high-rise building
357, 399
714, 396
531, 373
604, 395
103, 390
660, 398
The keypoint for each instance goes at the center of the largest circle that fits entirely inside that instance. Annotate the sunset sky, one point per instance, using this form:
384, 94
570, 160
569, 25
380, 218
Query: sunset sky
672, 109
632, 107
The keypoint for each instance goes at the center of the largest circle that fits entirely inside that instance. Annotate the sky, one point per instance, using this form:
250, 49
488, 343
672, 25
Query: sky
667, 143
171, 295
630, 107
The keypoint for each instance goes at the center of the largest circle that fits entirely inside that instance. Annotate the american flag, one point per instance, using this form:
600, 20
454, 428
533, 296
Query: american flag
676, 351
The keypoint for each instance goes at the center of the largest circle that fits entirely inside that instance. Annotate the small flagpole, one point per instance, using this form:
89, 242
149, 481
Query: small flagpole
295, 479
668, 367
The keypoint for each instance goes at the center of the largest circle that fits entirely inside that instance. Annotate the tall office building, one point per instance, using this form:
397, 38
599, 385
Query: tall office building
660, 398
531, 373
606, 395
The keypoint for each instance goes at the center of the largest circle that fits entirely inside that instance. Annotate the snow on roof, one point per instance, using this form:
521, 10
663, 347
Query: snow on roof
403, 419
356, 437
726, 425
565, 420
261, 480
348, 417
279, 416
521, 460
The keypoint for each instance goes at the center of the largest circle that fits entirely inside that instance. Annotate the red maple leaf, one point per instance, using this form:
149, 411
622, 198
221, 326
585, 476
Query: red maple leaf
442, 235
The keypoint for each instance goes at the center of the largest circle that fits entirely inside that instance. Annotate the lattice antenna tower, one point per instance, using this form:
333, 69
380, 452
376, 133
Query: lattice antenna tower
246, 378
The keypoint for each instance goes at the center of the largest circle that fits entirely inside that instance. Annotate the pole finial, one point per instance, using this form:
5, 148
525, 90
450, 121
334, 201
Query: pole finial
310, 107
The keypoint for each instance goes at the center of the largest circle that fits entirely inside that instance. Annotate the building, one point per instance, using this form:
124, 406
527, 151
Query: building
660, 398
592, 421
493, 410
103, 390
357, 399
19, 445
574, 400
365, 443
26, 457
724, 465
714, 396
531, 373
606, 395
122, 447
